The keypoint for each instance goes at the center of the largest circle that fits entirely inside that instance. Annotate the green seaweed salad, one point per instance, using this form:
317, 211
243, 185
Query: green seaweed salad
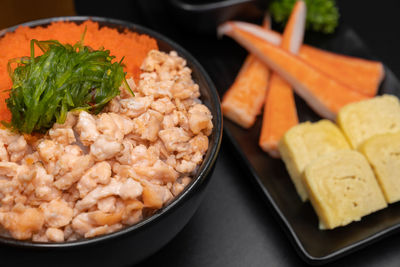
66, 77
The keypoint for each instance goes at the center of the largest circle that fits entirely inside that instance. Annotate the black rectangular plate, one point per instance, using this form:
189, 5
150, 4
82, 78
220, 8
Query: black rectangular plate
298, 219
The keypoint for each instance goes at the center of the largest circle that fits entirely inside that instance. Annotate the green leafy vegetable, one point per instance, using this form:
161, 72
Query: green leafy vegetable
64, 78
322, 15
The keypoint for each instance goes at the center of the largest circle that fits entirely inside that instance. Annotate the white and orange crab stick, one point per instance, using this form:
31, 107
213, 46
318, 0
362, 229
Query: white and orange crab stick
323, 94
243, 101
280, 112
360, 74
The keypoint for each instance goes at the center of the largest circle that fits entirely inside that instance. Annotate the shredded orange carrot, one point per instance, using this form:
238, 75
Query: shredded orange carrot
132, 46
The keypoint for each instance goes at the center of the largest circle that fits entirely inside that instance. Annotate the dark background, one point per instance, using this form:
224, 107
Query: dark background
234, 226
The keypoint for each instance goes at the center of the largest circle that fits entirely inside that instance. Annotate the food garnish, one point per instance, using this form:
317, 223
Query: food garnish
64, 78
322, 15
280, 112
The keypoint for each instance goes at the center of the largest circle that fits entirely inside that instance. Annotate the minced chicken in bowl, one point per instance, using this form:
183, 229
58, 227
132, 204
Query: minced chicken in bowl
97, 173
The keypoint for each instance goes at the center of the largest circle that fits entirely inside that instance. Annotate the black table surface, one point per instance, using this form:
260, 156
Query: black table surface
234, 226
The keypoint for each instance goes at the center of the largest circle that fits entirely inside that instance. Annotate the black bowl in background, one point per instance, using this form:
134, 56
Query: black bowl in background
137, 242
204, 16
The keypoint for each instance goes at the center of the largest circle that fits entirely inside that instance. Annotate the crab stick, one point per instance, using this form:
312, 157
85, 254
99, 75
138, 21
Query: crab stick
243, 101
280, 112
322, 93
361, 75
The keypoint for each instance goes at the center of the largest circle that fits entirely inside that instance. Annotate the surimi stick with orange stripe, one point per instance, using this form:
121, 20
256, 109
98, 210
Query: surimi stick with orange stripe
244, 99
280, 112
361, 75
322, 93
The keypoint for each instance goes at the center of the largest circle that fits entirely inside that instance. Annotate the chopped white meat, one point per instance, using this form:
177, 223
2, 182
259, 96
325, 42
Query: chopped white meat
104, 148
133, 107
163, 105
100, 173
148, 125
200, 119
86, 128
57, 213
55, 235
63, 136
107, 126
17, 149
113, 188
175, 139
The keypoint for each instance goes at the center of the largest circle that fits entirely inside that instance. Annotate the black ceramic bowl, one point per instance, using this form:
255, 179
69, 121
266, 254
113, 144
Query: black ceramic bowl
204, 16
135, 243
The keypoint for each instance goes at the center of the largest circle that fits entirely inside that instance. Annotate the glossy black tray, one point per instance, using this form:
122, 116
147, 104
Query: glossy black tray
298, 219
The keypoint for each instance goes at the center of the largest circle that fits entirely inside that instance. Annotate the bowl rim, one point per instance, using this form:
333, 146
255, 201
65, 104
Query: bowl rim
189, 190
209, 6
